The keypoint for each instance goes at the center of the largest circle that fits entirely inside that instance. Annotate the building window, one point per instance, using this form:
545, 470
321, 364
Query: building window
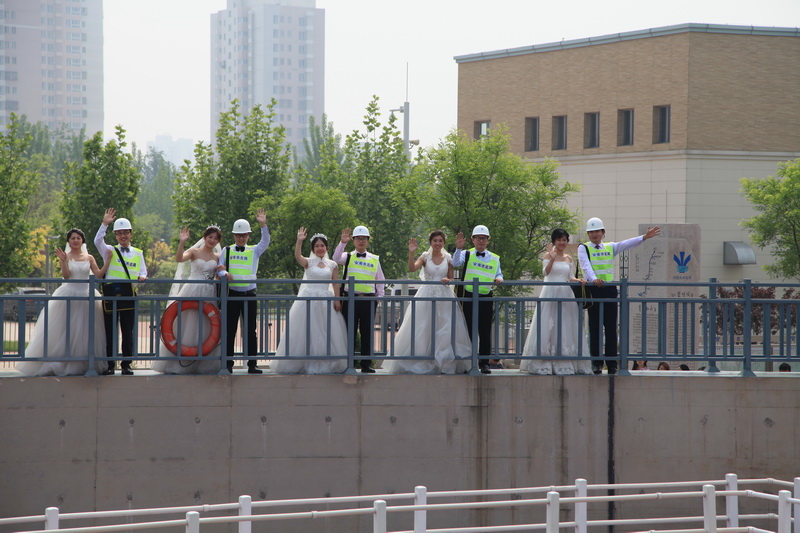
591, 130
560, 133
532, 134
661, 120
625, 127
481, 128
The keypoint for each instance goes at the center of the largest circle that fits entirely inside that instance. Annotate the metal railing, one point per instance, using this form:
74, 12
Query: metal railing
784, 509
703, 331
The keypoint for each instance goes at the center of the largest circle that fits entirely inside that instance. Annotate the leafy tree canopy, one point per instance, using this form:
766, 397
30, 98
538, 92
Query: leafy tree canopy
107, 177
464, 182
777, 226
19, 177
249, 161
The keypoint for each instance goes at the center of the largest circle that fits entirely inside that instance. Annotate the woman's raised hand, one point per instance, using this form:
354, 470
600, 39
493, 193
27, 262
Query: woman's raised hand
184, 235
301, 234
412, 245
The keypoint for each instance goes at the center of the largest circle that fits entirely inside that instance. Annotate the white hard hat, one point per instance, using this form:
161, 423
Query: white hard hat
360, 231
480, 229
122, 223
594, 223
241, 226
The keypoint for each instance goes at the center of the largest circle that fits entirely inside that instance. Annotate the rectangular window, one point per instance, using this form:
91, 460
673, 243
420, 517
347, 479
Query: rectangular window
532, 134
591, 130
661, 120
560, 133
481, 128
625, 127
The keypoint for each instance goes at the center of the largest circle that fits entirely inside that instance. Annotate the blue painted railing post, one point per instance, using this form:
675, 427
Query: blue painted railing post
624, 323
747, 324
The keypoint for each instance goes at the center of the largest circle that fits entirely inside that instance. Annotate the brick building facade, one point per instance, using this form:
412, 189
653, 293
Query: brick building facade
657, 125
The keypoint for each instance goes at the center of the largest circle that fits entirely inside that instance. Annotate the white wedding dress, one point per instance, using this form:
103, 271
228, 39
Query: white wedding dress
57, 341
188, 335
447, 357
313, 338
571, 313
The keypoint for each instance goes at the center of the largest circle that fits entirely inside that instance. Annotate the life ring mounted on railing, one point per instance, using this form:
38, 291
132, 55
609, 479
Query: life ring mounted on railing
168, 327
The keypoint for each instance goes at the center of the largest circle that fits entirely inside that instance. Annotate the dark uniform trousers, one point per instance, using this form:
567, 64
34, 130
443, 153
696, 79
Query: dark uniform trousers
364, 316
607, 325
485, 318
127, 321
236, 309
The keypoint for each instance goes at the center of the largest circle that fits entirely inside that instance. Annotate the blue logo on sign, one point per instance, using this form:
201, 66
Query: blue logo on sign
683, 262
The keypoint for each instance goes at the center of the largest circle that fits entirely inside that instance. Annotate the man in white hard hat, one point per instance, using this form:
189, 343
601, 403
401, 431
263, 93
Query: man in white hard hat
483, 265
597, 262
126, 263
365, 267
239, 264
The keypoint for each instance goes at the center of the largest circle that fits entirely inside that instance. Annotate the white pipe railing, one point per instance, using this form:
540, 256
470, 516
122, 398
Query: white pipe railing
787, 505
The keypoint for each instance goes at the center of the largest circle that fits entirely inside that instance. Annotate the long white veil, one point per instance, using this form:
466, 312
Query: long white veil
184, 268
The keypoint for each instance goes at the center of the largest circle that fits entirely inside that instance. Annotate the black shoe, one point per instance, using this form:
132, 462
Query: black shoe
485, 370
126, 372
597, 371
254, 370
612, 370
367, 370
109, 372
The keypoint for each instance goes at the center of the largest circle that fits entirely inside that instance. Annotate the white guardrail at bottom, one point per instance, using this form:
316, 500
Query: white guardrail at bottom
786, 513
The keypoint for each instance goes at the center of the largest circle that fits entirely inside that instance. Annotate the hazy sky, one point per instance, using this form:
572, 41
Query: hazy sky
157, 51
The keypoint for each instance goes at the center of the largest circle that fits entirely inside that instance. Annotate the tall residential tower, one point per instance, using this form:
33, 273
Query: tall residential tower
51, 62
264, 49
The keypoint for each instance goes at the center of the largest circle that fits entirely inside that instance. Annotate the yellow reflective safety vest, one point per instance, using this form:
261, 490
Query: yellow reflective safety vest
241, 266
117, 271
363, 269
485, 272
602, 261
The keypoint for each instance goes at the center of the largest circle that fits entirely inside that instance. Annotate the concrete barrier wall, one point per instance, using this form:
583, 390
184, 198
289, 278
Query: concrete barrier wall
152, 441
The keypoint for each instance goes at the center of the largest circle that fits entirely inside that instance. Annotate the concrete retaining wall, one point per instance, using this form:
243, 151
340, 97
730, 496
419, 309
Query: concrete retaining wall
150, 441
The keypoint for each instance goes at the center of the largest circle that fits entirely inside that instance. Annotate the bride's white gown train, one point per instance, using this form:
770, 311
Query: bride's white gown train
308, 331
64, 342
447, 357
571, 313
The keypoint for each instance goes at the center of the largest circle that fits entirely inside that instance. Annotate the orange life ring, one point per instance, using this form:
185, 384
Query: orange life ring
168, 324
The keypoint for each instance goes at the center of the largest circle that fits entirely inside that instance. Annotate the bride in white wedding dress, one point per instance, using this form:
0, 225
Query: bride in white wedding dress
450, 353
557, 268
320, 331
67, 321
202, 259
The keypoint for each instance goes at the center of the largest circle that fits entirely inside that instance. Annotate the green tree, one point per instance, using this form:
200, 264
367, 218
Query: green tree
50, 150
314, 207
322, 150
107, 177
249, 161
154, 207
375, 161
464, 182
18, 181
777, 200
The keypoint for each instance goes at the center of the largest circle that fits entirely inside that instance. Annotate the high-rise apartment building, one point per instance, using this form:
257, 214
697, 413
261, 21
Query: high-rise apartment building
657, 125
264, 49
51, 62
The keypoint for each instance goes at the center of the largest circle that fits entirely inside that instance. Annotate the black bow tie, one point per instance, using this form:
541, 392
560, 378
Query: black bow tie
239, 248
597, 246
361, 255
125, 249
480, 254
